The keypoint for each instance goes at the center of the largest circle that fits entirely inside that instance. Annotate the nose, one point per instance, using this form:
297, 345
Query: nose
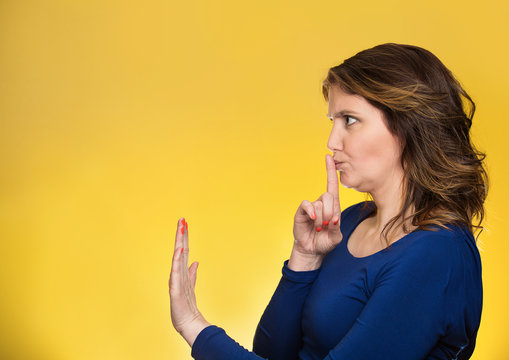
335, 142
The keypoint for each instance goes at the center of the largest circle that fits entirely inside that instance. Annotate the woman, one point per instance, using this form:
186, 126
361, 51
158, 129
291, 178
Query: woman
398, 277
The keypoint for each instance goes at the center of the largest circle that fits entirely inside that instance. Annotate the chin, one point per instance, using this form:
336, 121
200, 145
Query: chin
345, 184
348, 184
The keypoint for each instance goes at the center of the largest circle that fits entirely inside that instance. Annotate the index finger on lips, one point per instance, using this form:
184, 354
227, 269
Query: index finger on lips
332, 182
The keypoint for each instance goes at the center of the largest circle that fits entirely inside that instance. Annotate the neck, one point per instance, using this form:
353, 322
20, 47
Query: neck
388, 199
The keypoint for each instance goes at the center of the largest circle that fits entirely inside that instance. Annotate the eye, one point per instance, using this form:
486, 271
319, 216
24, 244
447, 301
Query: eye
350, 120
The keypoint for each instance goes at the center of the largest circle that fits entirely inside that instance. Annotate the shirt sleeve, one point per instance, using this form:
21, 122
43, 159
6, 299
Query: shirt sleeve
278, 334
212, 343
405, 315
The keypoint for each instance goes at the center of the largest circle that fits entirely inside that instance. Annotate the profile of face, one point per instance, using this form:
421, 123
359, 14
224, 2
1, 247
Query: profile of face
366, 153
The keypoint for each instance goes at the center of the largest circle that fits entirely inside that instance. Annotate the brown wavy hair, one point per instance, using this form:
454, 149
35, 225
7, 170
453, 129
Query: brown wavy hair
446, 181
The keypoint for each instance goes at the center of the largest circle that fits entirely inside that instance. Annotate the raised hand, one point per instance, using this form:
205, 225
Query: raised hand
316, 224
185, 316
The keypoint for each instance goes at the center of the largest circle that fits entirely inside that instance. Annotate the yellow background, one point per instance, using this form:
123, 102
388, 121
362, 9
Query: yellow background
119, 117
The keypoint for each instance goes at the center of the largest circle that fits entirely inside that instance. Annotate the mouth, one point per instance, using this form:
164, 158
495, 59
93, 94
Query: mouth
338, 165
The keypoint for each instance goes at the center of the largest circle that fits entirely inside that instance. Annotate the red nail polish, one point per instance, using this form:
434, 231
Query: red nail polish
181, 250
318, 229
183, 229
313, 216
325, 223
184, 221
336, 222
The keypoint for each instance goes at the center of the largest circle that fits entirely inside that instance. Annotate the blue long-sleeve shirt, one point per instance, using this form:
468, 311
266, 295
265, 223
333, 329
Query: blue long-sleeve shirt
420, 299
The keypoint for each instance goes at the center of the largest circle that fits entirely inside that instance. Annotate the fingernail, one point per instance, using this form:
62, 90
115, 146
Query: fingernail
325, 223
336, 222
183, 229
181, 250
318, 229
313, 216
184, 221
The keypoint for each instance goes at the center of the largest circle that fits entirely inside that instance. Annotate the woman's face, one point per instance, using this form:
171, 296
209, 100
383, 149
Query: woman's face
367, 155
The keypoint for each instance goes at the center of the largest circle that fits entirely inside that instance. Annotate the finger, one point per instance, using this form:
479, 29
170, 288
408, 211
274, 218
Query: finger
175, 272
193, 270
307, 209
328, 208
185, 254
179, 240
333, 182
318, 206
180, 270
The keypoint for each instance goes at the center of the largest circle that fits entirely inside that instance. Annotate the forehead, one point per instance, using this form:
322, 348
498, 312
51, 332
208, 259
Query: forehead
340, 102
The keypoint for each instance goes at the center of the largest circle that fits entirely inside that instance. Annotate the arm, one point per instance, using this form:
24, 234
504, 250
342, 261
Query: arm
213, 343
278, 334
409, 310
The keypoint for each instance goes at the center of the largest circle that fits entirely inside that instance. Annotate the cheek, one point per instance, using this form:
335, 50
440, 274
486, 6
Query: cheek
376, 153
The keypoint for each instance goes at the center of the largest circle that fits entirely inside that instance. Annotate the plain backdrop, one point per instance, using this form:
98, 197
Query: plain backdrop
119, 117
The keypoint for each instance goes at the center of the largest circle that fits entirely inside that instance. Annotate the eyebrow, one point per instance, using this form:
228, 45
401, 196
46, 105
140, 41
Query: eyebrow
342, 113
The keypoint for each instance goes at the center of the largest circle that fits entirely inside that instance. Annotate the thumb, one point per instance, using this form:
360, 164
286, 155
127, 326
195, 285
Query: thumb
193, 270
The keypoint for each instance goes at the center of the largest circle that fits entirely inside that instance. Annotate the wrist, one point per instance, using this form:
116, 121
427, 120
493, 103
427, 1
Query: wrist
304, 262
191, 330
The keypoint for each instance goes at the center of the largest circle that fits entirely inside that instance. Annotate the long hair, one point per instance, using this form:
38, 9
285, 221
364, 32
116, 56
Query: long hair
445, 176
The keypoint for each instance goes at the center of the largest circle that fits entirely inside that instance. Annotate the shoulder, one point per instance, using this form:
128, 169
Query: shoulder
444, 248
444, 257
452, 244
